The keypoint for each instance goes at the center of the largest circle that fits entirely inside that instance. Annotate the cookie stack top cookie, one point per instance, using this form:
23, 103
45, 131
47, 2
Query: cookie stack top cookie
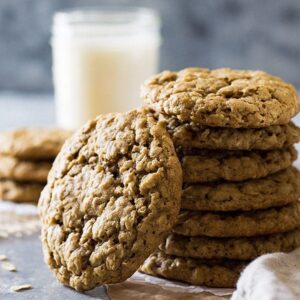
222, 97
33, 143
26, 157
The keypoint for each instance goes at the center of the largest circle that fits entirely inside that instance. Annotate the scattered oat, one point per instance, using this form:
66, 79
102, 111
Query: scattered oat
8, 266
3, 257
19, 288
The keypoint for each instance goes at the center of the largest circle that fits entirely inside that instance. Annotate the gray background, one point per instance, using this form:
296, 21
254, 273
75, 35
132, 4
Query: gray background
257, 34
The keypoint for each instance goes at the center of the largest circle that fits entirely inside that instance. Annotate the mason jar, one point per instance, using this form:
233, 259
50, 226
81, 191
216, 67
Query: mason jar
100, 58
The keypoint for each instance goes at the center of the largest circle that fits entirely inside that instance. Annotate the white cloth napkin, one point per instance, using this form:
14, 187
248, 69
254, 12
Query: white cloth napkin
271, 277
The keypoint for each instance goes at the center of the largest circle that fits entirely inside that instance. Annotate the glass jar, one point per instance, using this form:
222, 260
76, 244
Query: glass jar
100, 58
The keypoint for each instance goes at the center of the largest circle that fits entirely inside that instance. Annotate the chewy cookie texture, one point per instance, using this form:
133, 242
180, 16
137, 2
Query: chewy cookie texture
222, 97
214, 273
233, 133
111, 197
33, 143
230, 248
204, 166
20, 191
26, 157
24, 170
239, 224
274, 190
203, 137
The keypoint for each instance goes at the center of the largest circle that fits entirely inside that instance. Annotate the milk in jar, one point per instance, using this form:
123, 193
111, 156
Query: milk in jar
100, 59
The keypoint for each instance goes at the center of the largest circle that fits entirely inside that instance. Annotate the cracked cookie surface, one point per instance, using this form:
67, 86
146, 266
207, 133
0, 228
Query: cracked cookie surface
239, 224
209, 165
20, 191
275, 190
33, 143
230, 248
214, 273
204, 137
23, 170
112, 194
222, 97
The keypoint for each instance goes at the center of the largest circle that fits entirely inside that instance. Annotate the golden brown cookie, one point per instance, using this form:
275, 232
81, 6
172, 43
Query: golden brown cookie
204, 137
33, 143
211, 273
275, 190
23, 170
20, 192
230, 248
239, 224
112, 194
222, 97
208, 165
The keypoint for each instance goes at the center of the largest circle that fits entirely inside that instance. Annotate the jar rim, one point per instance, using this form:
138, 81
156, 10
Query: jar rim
105, 18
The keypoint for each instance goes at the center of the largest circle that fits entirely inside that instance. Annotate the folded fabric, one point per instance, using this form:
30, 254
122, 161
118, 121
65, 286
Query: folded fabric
271, 277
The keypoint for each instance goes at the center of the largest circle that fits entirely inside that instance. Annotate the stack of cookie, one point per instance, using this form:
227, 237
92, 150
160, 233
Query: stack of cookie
26, 156
234, 137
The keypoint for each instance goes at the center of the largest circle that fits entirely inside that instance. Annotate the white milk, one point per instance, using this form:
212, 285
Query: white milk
100, 59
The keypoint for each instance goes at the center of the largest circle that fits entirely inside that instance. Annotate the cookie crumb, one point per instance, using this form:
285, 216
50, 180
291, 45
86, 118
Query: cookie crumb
19, 288
8, 266
3, 257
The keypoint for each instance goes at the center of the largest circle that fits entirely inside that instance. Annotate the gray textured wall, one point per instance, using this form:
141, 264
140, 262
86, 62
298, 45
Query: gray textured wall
257, 34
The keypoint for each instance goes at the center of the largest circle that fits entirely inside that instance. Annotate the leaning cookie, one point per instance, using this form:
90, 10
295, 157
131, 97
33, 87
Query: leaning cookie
211, 273
112, 194
23, 170
275, 190
222, 97
204, 137
230, 248
20, 192
208, 165
33, 143
239, 224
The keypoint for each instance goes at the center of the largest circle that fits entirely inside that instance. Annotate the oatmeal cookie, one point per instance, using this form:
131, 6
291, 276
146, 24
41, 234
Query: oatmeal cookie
23, 170
112, 194
230, 248
204, 137
275, 190
33, 143
239, 224
211, 273
222, 97
208, 165
20, 192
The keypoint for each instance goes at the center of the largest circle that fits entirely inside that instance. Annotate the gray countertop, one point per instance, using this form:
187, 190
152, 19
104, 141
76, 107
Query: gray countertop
26, 255
26, 252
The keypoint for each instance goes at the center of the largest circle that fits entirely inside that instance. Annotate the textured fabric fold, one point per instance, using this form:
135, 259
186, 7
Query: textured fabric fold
271, 277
